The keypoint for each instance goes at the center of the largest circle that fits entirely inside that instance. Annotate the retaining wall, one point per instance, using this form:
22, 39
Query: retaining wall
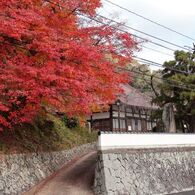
151, 169
19, 172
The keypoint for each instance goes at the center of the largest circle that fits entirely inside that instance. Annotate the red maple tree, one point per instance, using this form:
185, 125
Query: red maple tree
49, 56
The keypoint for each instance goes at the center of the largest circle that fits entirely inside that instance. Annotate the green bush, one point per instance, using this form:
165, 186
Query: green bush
71, 122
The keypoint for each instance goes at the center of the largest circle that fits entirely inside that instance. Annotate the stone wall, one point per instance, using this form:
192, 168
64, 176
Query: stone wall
145, 171
19, 172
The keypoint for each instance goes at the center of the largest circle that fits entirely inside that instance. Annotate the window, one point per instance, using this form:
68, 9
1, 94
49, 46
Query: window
115, 124
143, 113
136, 112
129, 111
122, 114
149, 126
129, 114
135, 124
139, 125
115, 114
122, 125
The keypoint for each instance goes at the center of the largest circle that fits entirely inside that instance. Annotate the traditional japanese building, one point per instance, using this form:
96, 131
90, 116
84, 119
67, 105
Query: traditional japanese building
133, 111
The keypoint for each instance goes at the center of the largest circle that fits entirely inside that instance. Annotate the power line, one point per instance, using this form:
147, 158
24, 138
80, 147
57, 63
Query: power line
154, 22
157, 51
137, 72
152, 63
136, 36
142, 59
147, 34
170, 83
125, 69
132, 34
142, 39
121, 30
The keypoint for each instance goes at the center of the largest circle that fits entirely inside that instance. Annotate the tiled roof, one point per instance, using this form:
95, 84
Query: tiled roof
134, 97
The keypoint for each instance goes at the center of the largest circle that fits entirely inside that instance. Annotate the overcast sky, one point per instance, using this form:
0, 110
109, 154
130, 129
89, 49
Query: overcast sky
175, 14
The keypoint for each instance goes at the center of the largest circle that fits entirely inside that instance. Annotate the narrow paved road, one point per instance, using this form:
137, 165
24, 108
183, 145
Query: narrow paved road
74, 179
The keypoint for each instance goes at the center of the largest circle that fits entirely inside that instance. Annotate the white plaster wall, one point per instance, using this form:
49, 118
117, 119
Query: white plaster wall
125, 140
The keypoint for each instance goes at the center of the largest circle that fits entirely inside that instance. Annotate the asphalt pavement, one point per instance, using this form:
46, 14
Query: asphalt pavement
74, 179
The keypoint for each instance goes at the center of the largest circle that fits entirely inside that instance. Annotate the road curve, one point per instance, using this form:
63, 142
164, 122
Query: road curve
74, 179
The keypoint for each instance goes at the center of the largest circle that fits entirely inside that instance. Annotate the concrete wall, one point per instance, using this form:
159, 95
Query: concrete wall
151, 169
19, 172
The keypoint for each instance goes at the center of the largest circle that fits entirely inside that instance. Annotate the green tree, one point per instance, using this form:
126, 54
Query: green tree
178, 88
144, 78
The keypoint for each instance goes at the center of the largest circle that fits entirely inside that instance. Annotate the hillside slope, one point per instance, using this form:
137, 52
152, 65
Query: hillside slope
46, 134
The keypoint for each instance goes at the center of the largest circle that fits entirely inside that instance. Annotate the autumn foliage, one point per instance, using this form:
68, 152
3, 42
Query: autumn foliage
50, 55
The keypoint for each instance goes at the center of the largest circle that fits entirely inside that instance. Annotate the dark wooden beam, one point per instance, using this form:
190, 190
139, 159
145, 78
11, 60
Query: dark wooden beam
111, 118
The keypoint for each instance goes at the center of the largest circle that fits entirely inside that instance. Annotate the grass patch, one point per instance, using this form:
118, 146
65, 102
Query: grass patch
48, 133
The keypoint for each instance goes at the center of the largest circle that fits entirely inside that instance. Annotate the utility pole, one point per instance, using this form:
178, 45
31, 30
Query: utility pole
190, 70
191, 59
